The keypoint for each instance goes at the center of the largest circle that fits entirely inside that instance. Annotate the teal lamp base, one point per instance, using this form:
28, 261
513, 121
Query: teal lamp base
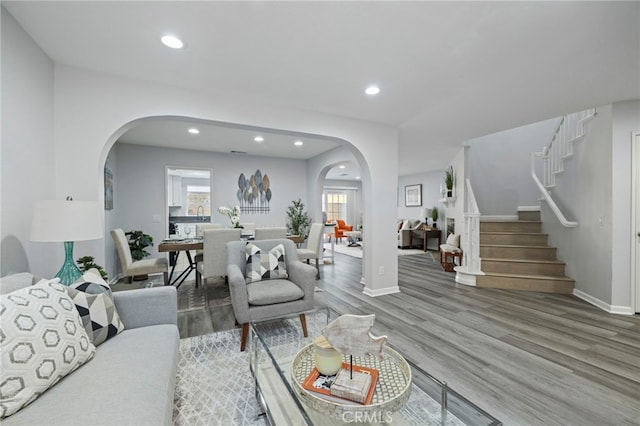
69, 272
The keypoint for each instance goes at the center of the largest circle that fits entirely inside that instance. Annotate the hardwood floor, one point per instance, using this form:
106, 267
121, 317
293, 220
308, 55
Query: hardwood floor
526, 358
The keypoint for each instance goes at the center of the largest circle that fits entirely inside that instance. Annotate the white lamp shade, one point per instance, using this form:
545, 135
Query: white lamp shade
426, 212
59, 220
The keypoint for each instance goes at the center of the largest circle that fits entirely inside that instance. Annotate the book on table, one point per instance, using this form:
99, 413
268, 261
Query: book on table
341, 388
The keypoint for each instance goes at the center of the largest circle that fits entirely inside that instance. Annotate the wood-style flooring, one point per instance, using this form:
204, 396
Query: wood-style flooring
526, 358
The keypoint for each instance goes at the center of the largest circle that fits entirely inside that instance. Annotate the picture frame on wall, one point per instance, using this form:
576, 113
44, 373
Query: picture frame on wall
413, 195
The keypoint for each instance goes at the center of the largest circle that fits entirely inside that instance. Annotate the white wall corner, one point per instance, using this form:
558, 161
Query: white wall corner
612, 309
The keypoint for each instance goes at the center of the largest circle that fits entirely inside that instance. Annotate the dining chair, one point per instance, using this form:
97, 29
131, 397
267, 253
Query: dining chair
314, 246
131, 268
200, 228
270, 233
214, 256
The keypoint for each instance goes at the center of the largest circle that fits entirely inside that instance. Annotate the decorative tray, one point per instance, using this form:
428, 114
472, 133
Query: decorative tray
392, 391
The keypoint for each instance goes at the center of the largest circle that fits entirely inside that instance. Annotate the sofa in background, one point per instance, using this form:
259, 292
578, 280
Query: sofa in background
405, 227
131, 378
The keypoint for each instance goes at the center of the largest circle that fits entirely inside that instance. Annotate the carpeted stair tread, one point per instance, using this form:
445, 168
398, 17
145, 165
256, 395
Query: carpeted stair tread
529, 276
515, 246
499, 259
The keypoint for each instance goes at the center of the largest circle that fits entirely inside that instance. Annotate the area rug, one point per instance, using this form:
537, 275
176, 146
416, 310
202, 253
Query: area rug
213, 384
215, 387
357, 251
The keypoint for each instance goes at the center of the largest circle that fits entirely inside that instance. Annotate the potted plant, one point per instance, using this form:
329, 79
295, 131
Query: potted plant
138, 241
298, 220
86, 262
434, 216
449, 181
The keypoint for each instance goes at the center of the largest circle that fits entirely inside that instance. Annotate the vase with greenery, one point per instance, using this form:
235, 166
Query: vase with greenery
434, 216
298, 220
449, 181
86, 262
138, 241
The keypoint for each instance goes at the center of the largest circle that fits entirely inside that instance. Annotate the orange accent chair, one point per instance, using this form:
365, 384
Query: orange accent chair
340, 227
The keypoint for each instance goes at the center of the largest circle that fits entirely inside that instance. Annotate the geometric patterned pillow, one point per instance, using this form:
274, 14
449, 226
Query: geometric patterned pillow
265, 266
97, 311
41, 341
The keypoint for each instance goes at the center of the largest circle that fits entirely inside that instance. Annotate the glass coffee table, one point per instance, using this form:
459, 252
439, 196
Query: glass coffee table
277, 344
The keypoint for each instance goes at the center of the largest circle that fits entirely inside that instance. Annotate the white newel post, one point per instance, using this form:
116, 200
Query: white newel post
471, 262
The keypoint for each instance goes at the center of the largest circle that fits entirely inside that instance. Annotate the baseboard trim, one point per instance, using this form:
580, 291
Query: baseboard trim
497, 218
612, 309
381, 292
528, 208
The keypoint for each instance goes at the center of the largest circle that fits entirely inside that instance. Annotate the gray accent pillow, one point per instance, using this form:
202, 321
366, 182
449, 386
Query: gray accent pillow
97, 311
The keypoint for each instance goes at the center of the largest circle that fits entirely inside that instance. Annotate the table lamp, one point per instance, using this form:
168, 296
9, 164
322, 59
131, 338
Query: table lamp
426, 213
66, 221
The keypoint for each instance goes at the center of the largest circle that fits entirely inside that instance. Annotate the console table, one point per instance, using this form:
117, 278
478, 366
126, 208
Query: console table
425, 235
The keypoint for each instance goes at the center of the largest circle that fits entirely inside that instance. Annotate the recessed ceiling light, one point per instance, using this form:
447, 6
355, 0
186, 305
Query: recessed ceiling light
193, 131
342, 166
298, 143
258, 139
357, 177
372, 90
172, 42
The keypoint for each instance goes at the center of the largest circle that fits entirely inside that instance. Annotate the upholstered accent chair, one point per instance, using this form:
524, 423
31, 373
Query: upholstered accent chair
214, 253
404, 232
139, 267
268, 298
314, 246
340, 228
270, 233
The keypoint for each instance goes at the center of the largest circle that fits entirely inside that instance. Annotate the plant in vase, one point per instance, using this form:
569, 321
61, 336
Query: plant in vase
86, 262
298, 220
449, 181
233, 213
434, 216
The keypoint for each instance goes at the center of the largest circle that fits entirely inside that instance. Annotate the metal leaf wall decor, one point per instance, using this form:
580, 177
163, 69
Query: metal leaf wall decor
254, 194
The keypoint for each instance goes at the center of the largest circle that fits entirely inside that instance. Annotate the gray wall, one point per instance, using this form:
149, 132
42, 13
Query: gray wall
583, 193
430, 195
140, 191
27, 152
499, 168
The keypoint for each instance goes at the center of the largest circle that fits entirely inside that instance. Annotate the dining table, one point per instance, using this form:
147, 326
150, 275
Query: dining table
177, 246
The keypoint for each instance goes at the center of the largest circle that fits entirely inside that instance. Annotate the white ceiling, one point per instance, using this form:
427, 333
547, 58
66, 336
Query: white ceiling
449, 71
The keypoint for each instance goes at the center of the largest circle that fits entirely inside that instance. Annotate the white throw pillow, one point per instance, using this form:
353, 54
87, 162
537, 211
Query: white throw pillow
42, 341
453, 240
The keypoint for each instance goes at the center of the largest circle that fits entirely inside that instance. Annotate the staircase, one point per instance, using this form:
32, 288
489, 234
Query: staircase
515, 256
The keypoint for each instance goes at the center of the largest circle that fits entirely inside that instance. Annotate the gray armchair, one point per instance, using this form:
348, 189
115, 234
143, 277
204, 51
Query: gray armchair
273, 298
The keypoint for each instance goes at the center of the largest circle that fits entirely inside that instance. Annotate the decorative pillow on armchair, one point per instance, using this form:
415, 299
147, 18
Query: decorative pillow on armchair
262, 265
42, 341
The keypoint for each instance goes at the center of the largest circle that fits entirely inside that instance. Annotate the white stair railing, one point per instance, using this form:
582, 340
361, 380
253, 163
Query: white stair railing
471, 262
570, 130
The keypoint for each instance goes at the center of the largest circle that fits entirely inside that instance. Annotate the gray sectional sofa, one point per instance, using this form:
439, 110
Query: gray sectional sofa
131, 378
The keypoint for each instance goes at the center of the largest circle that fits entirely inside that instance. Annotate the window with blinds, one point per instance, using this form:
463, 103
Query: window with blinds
335, 204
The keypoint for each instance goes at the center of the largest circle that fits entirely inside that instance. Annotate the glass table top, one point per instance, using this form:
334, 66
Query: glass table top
274, 347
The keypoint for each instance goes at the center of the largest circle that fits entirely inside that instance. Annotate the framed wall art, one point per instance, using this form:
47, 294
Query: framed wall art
413, 195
